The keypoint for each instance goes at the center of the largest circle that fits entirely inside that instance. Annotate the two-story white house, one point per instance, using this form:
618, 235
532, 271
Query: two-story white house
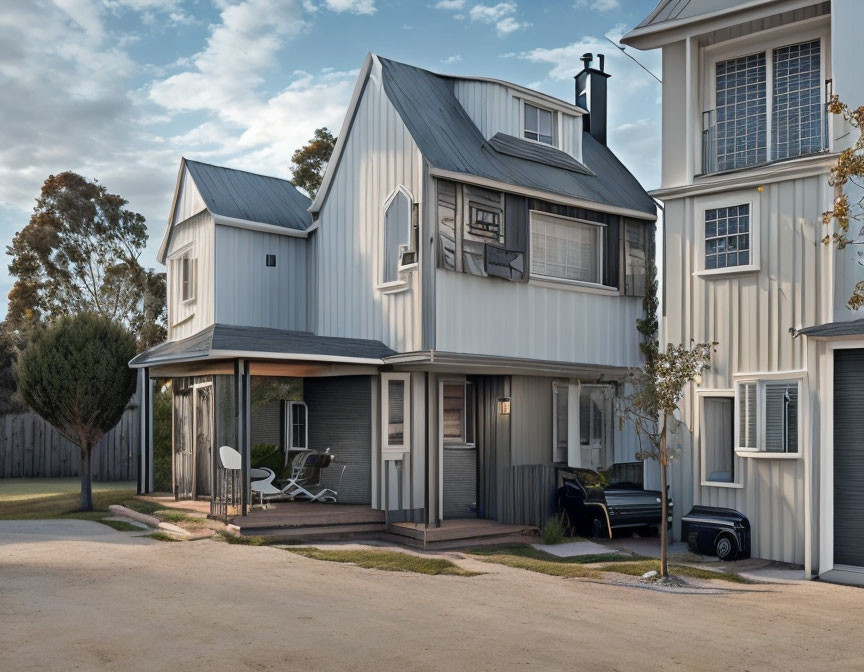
452, 316
775, 428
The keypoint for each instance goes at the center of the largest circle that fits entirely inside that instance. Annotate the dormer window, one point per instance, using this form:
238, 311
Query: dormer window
539, 124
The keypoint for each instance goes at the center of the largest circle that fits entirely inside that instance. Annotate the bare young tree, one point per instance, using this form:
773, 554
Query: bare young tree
849, 170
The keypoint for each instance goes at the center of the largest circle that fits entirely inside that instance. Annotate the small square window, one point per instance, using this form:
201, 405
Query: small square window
538, 124
271, 260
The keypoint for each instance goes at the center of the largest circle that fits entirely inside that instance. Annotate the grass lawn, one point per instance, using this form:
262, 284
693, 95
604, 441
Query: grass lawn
525, 556
28, 498
390, 561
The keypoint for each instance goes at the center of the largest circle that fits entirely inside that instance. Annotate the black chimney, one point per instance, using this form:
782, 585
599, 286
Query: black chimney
591, 95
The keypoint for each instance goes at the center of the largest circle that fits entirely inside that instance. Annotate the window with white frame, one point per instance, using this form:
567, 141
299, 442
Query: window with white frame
767, 416
298, 425
560, 409
397, 234
718, 439
566, 249
727, 237
767, 106
184, 266
395, 414
539, 124
458, 413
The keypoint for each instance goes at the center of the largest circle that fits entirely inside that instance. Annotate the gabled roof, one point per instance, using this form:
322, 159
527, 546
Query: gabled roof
220, 341
240, 198
453, 146
451, 142
671, 14
248, 196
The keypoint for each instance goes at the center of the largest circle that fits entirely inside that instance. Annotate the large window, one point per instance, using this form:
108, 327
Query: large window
768, 416
594, 425
397, 234
458, 413
566, 249
718, 439
539, 124
727, 237
767, 106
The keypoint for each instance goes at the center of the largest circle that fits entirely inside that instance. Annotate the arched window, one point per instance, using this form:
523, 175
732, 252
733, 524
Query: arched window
397, 232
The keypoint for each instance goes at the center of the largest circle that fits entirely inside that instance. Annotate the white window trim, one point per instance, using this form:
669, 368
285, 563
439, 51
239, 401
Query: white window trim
803, 400
703, 476
574, 391
764, 41
703, 204
601, 250
395, 451
395, 286
289, 425
556, 123
175, 288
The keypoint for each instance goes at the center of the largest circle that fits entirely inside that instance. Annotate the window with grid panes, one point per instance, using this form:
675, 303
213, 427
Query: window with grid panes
727, 237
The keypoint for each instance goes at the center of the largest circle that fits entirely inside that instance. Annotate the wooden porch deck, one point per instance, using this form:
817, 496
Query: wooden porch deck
461, 529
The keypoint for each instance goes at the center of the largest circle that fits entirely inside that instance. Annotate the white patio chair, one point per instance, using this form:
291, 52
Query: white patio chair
305, 480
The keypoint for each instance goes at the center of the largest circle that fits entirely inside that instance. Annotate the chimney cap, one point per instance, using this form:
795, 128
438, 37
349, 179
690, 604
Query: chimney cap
586, 59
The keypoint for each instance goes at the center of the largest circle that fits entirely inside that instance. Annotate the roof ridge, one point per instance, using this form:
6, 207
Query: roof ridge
239, 170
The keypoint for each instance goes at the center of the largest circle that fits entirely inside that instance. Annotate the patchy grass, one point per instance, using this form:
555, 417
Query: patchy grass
390, 561
162, 536
644, 566
121, 525
240, 540
528, 551
177, 517
14, 506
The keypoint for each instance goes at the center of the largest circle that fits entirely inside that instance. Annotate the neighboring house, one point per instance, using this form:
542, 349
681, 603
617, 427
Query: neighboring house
453, 315
775, 427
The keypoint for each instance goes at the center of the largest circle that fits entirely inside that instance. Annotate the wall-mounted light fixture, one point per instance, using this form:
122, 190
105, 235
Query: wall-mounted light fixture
504, 405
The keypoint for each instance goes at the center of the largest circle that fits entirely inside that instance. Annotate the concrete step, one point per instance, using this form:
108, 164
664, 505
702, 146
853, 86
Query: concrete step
315, 533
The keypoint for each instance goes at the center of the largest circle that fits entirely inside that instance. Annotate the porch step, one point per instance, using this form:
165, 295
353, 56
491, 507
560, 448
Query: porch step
459, 530
315, 532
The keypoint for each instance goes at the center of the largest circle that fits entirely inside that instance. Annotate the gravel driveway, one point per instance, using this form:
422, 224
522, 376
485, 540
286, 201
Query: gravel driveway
77, 595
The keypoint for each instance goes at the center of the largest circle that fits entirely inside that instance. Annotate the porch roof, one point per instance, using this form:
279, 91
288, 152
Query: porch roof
834, 329
224, 341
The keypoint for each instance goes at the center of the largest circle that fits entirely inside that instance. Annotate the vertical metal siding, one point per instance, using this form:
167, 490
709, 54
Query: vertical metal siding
379, 155
250, 293
750, 316
198, 230
476, 316
189, 201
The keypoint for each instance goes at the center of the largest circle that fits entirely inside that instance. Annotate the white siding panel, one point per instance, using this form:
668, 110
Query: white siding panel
493, 317
379, 155
250, 293
750, 317
189, 201
190, 318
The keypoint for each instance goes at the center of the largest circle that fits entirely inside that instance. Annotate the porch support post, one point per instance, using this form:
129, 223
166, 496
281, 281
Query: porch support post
145, 449
241, 424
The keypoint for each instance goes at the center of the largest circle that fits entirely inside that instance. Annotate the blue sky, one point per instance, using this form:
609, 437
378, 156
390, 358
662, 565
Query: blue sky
119, 90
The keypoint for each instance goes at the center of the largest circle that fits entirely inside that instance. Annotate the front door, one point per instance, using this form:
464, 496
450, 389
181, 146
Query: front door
203, 443
458, 448
848, 458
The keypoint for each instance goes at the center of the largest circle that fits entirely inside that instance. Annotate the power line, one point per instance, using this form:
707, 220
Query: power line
634, 60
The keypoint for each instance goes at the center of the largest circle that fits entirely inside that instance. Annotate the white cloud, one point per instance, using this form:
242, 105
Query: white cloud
456, 58
499, 15
352, 6
451, 5
601, 6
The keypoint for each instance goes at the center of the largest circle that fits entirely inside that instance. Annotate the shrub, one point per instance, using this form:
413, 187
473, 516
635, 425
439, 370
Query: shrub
552, 532
267, 455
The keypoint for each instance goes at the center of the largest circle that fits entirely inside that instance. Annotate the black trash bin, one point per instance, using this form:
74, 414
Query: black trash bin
709, 530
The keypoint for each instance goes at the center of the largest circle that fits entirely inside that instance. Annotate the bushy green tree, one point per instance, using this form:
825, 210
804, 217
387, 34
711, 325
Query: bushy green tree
80, 253
75, 374
310, 161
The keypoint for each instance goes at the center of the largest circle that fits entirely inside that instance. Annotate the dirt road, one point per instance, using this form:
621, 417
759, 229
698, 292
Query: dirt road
97, 599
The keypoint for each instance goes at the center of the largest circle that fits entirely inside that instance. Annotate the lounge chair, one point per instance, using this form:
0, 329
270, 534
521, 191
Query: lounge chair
305, 480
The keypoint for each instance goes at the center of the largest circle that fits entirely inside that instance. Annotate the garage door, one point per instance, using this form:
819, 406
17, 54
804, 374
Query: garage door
849, 457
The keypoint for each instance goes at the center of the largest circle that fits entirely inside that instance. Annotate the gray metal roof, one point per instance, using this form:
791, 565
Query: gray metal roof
669, 10
262, 341
832, 329
533, 151
450, 141
256, 198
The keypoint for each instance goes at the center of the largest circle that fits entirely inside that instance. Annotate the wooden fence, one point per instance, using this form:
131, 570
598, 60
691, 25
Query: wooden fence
31, 448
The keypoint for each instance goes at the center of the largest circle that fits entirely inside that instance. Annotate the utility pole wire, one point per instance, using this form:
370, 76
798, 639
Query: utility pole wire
633, 59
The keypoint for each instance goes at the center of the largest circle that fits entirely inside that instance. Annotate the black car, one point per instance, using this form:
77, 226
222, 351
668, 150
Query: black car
594, 505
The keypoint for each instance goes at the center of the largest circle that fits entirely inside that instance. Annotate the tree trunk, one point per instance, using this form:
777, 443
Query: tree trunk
664, 504
86, 480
